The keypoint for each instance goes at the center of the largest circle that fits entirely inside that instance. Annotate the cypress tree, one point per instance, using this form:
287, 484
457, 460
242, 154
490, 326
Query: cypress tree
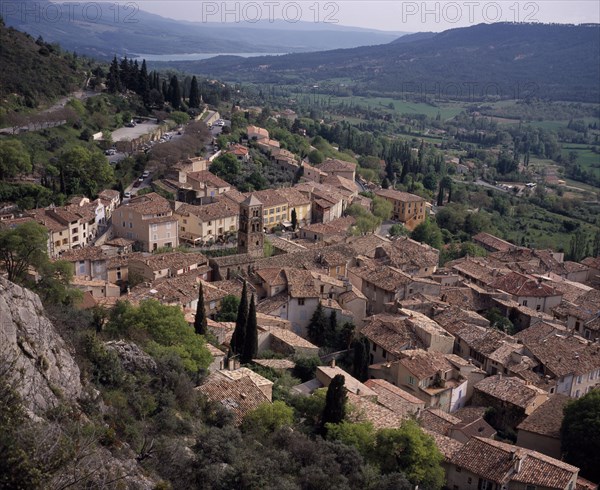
194, 94
251, 338
294, 219
239, 334
144, 83
165, 90
317, 326
331, 333
200, 323
360, 366
175, 93
114, 77
335, 402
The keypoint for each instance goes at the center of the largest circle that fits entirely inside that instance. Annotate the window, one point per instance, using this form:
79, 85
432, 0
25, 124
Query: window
185, 221
272, 211
130, 225
154, 227
213, 305
411, 380
300, 301
155, 237
579, 379
524, 302
124, 224
278, 210
458, 469
169, 226
469, 480
530, 487
538, 307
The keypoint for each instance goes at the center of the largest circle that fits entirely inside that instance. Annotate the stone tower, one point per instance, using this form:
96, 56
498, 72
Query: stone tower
250, 233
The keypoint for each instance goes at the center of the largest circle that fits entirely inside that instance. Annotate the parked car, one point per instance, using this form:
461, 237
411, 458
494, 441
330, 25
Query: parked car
138, 183
127, 195
146, 174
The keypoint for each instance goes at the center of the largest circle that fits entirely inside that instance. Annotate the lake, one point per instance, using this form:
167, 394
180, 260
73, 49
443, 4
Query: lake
196, 56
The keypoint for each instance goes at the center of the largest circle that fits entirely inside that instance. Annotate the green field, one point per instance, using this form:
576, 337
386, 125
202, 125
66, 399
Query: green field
446, 110
585, 157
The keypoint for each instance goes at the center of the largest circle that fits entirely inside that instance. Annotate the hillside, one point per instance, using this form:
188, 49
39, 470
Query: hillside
34, 72
141, 33
510, 60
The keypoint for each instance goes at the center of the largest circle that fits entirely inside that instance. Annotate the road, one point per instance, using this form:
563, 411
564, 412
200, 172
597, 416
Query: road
60, 104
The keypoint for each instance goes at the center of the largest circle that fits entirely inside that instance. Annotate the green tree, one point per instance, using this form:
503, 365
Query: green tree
382, 208
200, 322
174, 93
22, 247
238, 338
166, 330
14, 159
578, 246
315, 157
179, 117
306, 367
332, 330
499, 321
194, 94
53, 285
229, 308
398, 230
409, 450
267, 248
361, 435
250, 347
268, 418
580, 434
294, 219
428, 232
226, 166
317, 326
335, 402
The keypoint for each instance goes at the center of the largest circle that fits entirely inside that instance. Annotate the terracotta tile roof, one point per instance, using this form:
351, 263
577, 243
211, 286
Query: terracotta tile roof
257, 130
341, 183
232, 195
406, 253
474, 269
447, 446
214, 351
587, 305
277, 364
384, 277
583, 484
300, 283
547, 418
592, 262
148, 204
208, 178
273, 303
285, 244
172, 260
293, 196
268, 197
272, 276
179, 290
109, 194
565, 354
470, 413
454, 314
391, 333
289, 337
424, 364
395, 399
210, 212
85, 253
475, 428
240, 396
509, 389
438, 421
244, 372
238, 150
398, 195
122, 260
119, 242
463, 297
367, 244
335, 165
497, 461
363, 409
352, 384
522, 285
334, 227
314, 259
493, 242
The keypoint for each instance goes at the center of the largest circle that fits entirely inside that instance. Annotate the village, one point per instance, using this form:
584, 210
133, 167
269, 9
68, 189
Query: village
481, 349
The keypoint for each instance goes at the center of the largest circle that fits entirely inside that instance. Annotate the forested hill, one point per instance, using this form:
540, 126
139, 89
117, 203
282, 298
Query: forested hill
553, 61
33, 71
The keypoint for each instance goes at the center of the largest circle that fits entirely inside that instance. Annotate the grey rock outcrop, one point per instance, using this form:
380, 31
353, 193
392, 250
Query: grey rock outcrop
39, 359
131, 356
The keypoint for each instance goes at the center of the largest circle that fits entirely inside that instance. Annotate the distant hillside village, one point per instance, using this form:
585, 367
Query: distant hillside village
479, 348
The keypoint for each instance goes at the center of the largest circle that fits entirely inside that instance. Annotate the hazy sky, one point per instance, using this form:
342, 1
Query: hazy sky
396, 15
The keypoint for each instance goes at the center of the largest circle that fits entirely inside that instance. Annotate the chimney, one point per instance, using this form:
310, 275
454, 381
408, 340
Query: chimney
332, 364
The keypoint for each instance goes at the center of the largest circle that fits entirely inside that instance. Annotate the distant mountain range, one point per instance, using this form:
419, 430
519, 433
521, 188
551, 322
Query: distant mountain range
560, 62
105, 29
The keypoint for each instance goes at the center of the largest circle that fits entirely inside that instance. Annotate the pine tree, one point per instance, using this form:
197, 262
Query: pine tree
317, 326
144, 83
251, 337
239, 334
200, 323
194, 94
335, 402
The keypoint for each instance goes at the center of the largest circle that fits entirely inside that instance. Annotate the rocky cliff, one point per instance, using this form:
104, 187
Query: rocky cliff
39, 358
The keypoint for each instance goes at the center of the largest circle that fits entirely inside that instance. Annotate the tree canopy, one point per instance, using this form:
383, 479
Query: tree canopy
580, 434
